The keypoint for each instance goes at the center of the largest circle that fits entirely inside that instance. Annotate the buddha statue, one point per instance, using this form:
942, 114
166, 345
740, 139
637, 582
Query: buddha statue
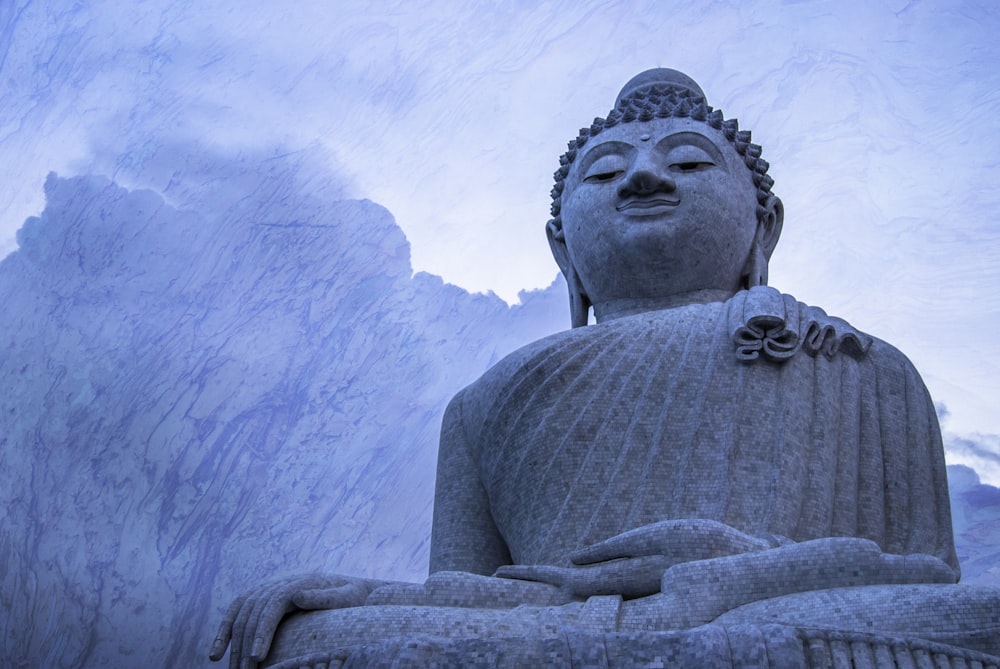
712, 474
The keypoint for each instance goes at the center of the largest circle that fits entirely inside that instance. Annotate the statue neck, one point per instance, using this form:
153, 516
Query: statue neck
620, 308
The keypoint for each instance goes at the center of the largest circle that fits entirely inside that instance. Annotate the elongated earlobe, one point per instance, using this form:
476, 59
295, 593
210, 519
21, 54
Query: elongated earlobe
579, 304
755, 272
771, 218
769, 226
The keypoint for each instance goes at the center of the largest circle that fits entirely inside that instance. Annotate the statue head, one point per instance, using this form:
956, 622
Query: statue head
662, 203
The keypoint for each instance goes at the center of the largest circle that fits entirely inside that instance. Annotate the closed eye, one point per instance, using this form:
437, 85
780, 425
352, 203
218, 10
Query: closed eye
692, 166
602, 177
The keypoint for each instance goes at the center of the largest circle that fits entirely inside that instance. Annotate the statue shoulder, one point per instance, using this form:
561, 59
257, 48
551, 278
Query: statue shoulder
765, 323
763, 326
473, 401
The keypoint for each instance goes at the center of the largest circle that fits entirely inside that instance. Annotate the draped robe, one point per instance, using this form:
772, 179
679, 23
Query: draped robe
760, 412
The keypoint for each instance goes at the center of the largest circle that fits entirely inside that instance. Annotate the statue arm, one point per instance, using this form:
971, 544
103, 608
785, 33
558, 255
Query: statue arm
914, 481
696, 593
464, 536
671, 557
632, 564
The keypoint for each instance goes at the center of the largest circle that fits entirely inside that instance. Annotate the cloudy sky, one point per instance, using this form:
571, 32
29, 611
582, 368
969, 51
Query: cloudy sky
881, 122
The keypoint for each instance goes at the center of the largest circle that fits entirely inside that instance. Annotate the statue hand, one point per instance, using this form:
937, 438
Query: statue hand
676, 540
697, 598
628, 577
631, 564
252, 618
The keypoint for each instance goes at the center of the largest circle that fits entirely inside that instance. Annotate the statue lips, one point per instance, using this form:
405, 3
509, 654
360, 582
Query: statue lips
647, 206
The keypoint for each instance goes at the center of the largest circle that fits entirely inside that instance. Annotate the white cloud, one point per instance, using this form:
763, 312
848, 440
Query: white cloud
981, 452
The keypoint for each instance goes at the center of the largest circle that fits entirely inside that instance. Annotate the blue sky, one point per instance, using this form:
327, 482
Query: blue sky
881, 122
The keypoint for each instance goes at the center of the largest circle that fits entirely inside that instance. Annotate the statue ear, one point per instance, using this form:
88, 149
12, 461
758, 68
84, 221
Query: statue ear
769, 226
557, 242
769, 223
579, 303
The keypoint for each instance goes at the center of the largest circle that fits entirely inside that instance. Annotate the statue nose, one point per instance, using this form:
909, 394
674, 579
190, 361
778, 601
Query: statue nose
645, 181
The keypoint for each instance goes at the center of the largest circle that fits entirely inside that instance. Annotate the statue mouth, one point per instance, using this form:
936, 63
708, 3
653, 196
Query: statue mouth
647, 206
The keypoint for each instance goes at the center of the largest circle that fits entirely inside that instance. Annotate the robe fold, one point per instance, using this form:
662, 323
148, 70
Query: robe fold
671, 414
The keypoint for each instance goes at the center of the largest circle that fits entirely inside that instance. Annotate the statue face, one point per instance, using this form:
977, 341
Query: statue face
658, 208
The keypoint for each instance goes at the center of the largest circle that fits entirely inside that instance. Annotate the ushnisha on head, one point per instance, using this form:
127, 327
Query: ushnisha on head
661, 204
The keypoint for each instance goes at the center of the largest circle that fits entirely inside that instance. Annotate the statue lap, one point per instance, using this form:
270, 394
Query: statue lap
767, 646
870, 626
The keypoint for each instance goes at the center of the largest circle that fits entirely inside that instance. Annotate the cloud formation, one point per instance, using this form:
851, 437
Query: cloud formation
453, 117
975, 511
200, 400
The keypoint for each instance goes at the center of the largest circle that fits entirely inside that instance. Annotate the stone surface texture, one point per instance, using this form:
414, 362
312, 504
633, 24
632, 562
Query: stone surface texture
714, 474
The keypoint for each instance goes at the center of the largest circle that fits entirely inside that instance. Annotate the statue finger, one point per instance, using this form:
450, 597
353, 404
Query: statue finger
679, 540
238, 633
266, 612
646, 540
542, 573
729, 541
923, 568
239, 649
249, 628
629, 577
226, 629
238, 615
273, 610
604, 551
665, 537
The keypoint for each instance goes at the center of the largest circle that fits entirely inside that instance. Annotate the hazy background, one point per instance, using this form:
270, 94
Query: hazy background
217, 367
